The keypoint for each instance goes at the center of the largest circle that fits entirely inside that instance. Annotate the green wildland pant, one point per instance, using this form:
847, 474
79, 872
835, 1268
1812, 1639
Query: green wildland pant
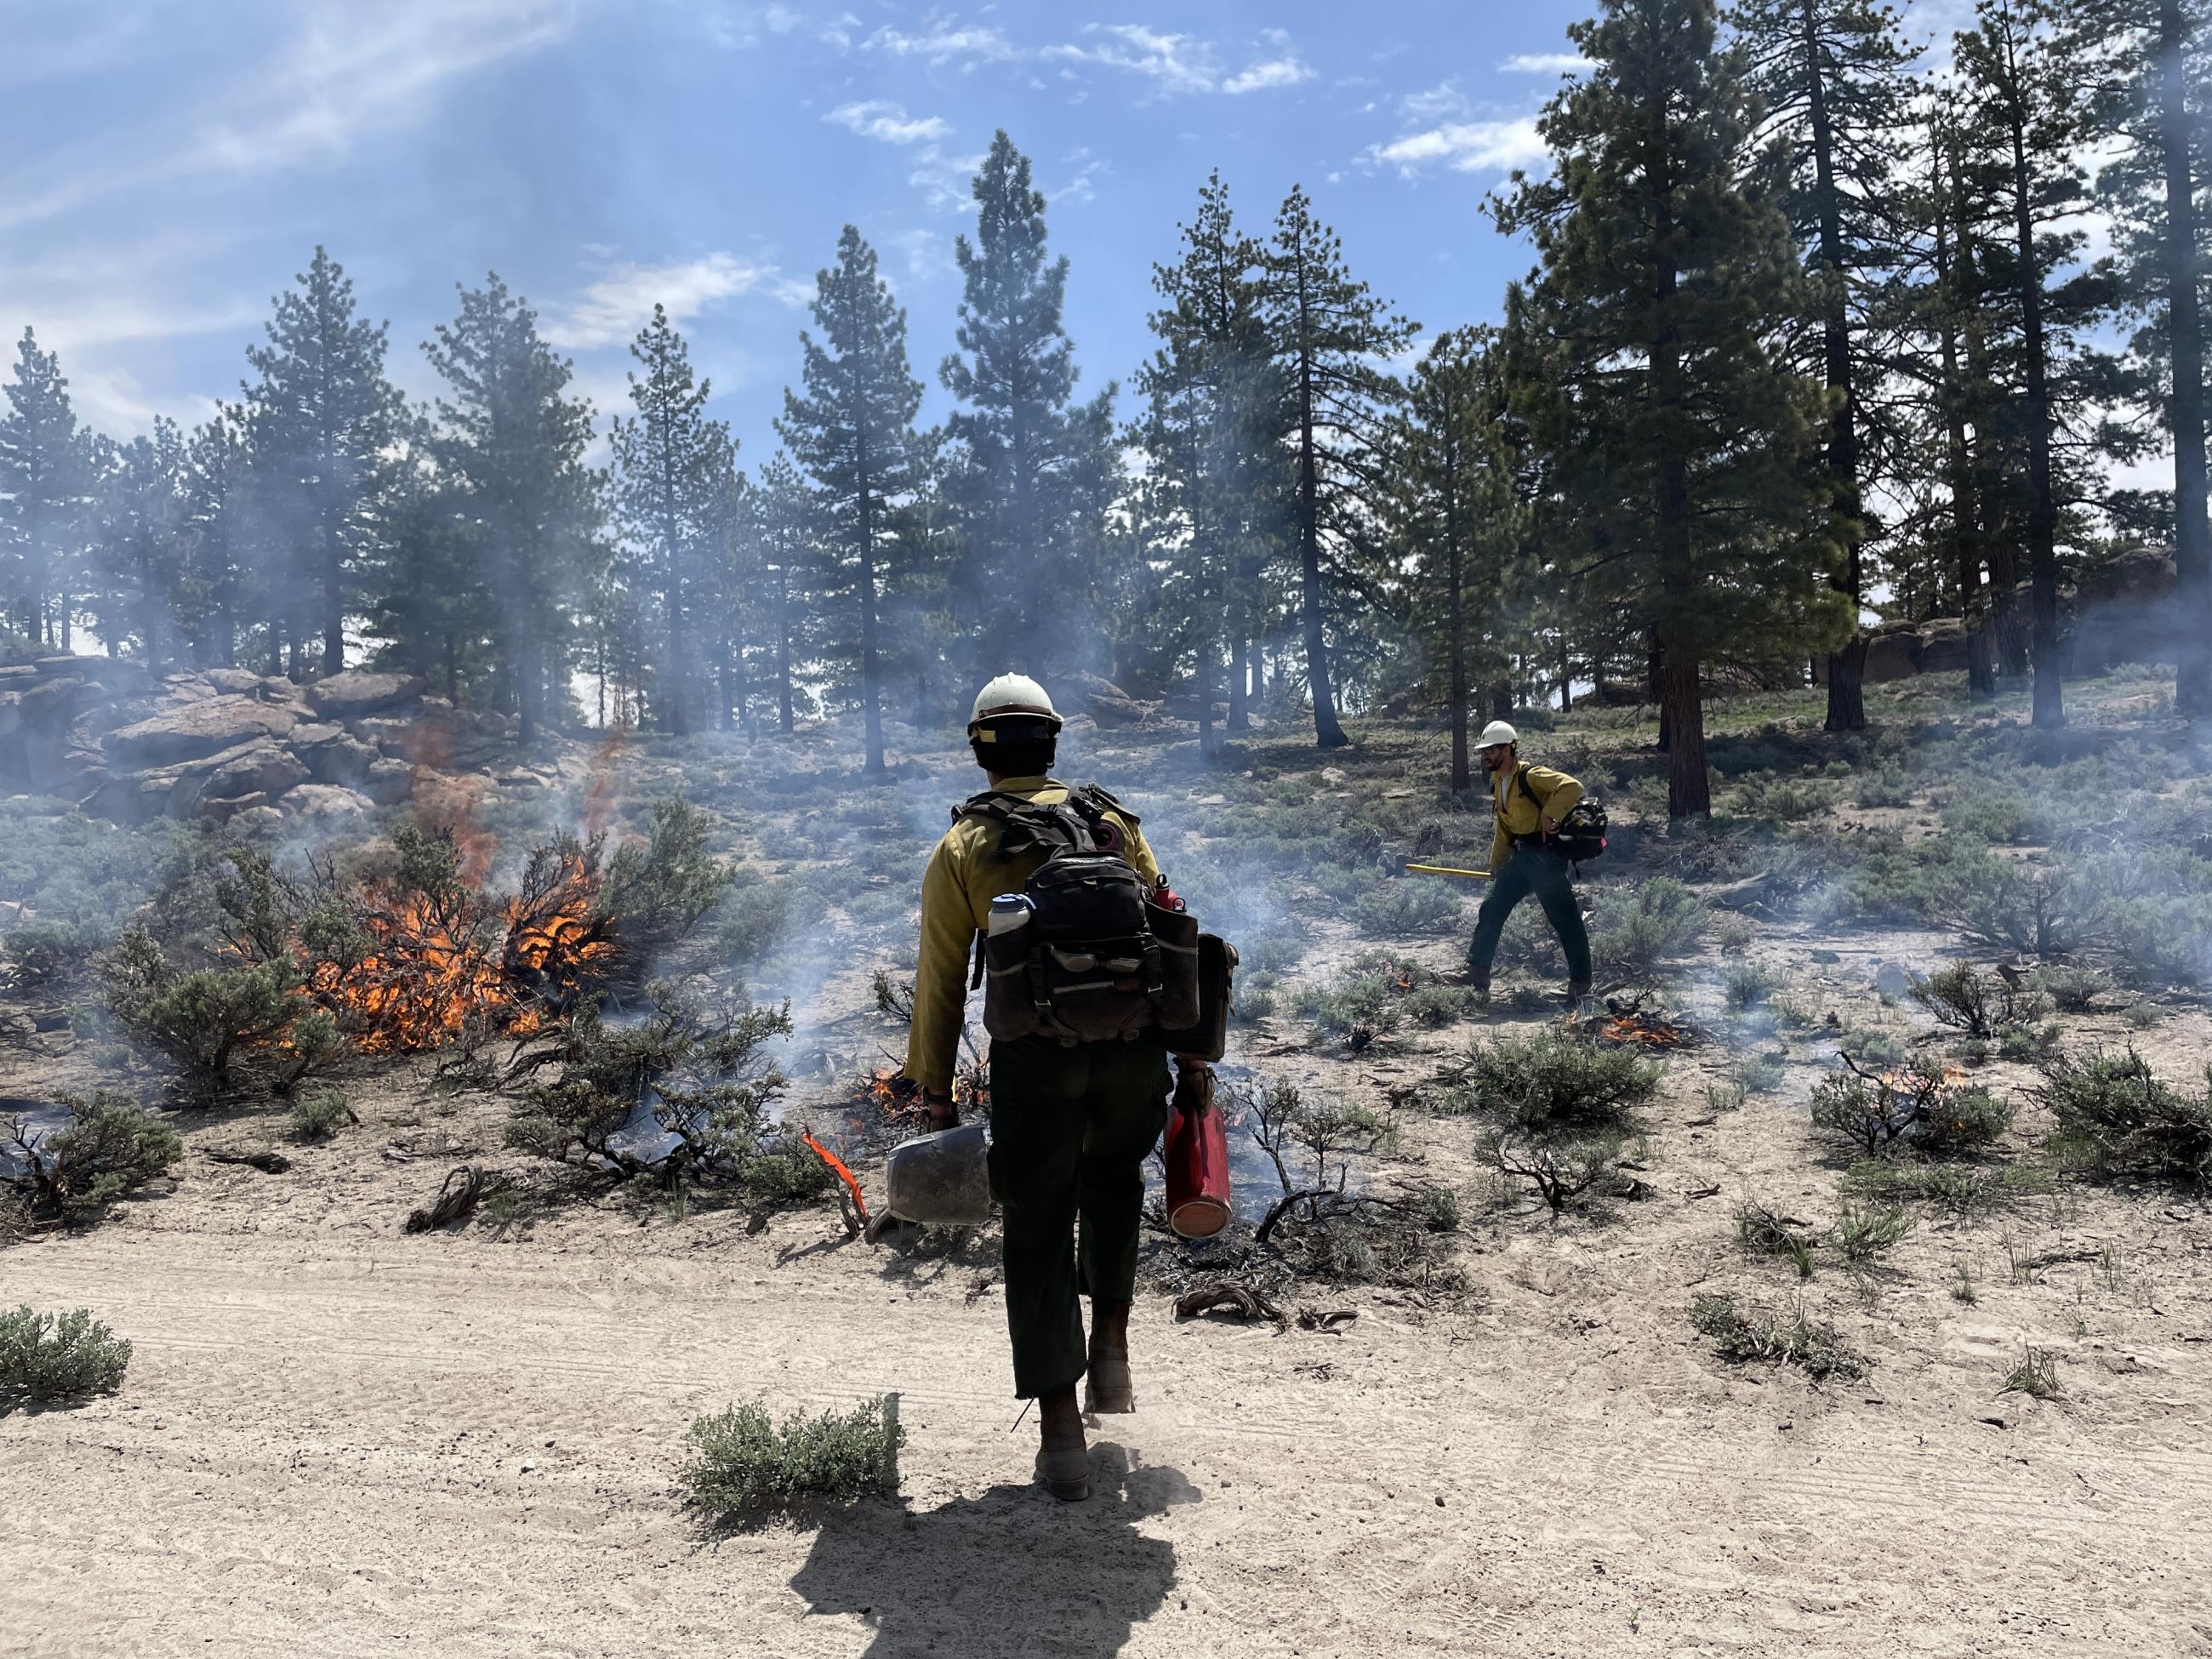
1070, 1129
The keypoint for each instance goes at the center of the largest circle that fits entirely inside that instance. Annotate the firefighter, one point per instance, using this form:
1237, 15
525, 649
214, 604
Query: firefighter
1070, 1124
1529, 802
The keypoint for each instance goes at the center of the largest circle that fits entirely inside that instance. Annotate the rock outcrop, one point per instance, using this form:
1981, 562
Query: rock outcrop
229, 744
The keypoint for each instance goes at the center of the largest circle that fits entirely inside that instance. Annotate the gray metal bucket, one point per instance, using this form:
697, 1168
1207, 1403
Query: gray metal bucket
941, 1179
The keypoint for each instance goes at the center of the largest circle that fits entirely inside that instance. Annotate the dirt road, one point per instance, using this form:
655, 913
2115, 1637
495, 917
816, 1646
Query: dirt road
337, 1439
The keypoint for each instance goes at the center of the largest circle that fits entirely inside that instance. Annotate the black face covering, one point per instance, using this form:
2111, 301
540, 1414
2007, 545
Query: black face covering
1014, 745
1015, 760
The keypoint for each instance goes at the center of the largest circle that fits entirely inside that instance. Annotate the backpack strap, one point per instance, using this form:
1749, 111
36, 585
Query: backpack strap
1521, 782
1025, 825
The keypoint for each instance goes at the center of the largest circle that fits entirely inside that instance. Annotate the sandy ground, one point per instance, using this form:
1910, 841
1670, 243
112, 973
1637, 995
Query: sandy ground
338, 1439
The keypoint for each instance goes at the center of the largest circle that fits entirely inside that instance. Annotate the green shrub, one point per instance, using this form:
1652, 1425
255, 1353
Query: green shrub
659, 889
1981, 1004
1409, 905
1787, 800
1787, 1338
1861, 1235
1885, 786
2036, 1375
1763, 1232
1551, 1082
2115, 1117
703, 1064
243, 1027
1987, 814
1915, 1106
742, 1464
50, 1357
47, 954
317, 1113
110, 1146
1560, 1167
1962, 1188
2074, 989
1747, 984
1663, 920
1357, 1007
752, 920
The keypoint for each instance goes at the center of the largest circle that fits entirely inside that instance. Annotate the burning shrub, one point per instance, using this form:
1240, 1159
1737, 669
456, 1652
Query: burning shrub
48, 1357
742, 1462
695, 1072
1551, 1082
231, 1029
111, 1147
2116, 1117
1663, 920
1740, 1334
663, 886
1918, 1105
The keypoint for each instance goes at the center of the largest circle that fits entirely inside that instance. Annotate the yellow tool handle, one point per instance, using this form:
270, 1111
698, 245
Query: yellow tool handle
1446, 870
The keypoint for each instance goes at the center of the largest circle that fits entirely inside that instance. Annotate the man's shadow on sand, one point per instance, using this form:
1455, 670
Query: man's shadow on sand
1012, 1572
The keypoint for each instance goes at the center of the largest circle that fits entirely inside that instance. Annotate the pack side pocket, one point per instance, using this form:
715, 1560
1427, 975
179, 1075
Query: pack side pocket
1175, 1006
1010, 1010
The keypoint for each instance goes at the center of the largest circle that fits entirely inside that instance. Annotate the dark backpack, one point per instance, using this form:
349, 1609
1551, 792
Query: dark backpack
1581, 834
1097, 959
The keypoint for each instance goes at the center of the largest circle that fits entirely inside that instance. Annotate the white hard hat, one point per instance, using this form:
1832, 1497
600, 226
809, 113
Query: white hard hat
1496, 732
1016, 694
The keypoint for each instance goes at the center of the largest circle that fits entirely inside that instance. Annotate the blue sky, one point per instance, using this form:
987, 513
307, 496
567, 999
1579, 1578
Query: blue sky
169, 166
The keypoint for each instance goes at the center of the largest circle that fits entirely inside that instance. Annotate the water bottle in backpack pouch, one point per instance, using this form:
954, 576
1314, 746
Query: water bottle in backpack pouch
1097, 959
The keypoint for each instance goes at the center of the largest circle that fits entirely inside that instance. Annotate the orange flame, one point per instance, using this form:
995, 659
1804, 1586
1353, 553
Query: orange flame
837, 1168
1628, 1027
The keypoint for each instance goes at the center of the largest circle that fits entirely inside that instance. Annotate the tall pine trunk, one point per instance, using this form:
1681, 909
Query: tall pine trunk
1461, 774
2192, 535
783, 700
1846, 667
1966, 507
871, 693
1327, 733
2048, 703
1681, 709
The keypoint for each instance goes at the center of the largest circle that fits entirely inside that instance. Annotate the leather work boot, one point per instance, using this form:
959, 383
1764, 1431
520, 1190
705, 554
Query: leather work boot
1063, 1462
1108, 1385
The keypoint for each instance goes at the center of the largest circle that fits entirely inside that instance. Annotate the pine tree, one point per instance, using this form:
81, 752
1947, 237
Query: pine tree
1456, 519
783, 518
852, 434
1685, 451
218, 553
324, 421
509, 446
45, 464
2145, 62
138, 551
1211, 431
1834, 76
672, 465
2026, 122
1327, 330
1024, 511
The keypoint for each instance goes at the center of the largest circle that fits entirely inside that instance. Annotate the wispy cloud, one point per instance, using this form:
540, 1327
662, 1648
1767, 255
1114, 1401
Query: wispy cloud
1274, 72
945, 43
1544, 63
616, 305
1463, 146
877, 119
1174, 62
946, 181
348, 71
1435, 103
